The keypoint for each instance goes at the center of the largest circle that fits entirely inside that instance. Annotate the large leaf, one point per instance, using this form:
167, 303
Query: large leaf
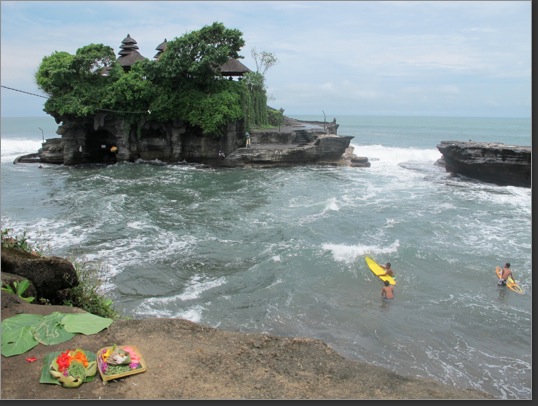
23, 332
18, 341
85, 323
50, 331
20, 320
17, 336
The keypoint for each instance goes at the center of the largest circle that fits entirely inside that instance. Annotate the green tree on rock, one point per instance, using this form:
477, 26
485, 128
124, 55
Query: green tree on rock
75, 83
184, 83
256, 111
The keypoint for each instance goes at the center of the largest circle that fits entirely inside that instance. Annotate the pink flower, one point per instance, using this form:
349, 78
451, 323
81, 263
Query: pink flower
135, 359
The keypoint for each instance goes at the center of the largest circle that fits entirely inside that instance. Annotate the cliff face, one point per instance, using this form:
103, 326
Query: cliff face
489, 162
105, 139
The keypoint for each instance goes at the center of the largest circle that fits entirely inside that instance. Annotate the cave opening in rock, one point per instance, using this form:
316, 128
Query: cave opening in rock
101, 147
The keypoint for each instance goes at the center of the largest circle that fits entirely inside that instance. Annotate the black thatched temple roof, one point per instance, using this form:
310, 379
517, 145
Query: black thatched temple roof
233, 68
130, 59
129, 54
161, 48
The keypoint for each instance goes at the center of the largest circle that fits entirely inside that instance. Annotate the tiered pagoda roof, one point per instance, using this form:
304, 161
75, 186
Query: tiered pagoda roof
129, 53
161, 48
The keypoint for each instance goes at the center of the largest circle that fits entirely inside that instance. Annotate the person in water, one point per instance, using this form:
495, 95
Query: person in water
387, 292
388, 270
506, 273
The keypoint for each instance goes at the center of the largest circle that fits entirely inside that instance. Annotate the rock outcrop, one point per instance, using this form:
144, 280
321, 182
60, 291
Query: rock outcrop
491, 162
104, 139
49, 276
295, 146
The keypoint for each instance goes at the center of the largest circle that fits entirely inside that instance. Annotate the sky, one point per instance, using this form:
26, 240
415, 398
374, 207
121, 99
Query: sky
399, 58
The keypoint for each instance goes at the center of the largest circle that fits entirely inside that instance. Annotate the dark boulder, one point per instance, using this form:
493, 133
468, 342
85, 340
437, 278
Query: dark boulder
50, 276
360, 162
492, 162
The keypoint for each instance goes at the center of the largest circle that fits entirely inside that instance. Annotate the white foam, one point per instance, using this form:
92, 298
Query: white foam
197, 285
350, 253
193, 313
12, 149
138, 225
393, 156
332, 205
160, 306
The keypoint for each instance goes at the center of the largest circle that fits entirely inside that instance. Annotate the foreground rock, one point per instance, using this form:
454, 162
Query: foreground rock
190, 361
50, 277
488, 162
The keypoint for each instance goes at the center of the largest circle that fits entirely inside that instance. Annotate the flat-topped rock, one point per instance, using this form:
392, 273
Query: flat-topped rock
492, 162
271, 149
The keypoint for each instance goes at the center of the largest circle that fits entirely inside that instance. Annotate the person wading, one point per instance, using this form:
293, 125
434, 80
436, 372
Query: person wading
387, 292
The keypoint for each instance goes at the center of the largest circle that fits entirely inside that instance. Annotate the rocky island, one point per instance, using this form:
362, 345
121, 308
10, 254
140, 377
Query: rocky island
105, 139
193, 103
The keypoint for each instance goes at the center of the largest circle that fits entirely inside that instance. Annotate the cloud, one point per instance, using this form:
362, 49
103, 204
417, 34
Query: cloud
341, 53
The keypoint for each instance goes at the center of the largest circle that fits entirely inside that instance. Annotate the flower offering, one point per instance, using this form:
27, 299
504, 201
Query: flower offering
72, 368
119, 361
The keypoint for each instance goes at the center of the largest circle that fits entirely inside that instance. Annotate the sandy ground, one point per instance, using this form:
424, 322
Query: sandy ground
190, 361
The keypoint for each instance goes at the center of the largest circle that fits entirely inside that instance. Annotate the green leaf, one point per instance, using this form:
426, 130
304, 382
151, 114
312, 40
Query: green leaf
22, 286
18, 341
17, 336
85, 323
20, 320
46, 377
50, 331
7, 288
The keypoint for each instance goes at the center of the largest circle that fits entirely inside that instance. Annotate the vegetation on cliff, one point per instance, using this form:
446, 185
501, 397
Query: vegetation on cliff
184, 83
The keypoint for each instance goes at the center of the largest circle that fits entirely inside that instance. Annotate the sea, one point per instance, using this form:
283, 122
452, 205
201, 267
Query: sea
282, 251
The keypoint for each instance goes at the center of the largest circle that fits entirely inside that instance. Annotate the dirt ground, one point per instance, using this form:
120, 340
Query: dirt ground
190, 361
